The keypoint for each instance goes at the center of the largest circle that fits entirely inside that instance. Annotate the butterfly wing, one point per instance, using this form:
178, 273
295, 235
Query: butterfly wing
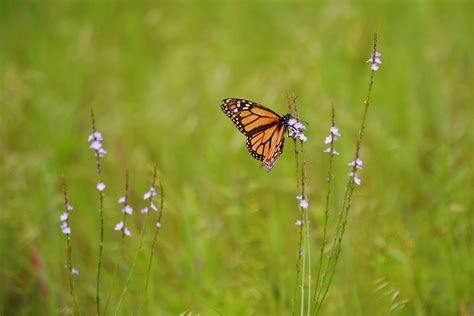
264, 128
267, 145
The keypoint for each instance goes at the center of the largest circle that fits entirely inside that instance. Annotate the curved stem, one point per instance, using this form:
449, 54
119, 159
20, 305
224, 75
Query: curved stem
155, 237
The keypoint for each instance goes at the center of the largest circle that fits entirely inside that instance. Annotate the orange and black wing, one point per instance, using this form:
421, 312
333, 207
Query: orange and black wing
264, 129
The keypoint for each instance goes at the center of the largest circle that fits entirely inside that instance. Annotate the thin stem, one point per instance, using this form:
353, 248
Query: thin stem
122, 244
155, 237
101, 217
343, 215
307, 243
304, 235
298, 189
69, 250
344, 222
101, 249
142, 234
326, 209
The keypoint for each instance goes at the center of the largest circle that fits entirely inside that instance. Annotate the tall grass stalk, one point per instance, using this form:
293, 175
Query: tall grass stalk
142, 234
121, 246
293, 110
326, 208
303, 264
69, 249
152, 250
344, 212
101, 211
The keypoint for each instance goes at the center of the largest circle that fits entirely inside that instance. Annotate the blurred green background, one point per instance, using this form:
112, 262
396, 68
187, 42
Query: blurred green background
155, 73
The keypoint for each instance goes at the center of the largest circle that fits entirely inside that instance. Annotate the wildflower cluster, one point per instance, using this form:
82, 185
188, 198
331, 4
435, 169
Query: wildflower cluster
65, 219
148, 196
65, 228
296, 129
356, 165
329, 140
127, 209
375, 61
96, 144
95, 139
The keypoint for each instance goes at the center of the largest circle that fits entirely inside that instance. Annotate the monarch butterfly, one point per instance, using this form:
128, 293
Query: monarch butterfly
264, 129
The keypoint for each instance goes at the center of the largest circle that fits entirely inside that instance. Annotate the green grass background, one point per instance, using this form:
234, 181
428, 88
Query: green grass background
155, 73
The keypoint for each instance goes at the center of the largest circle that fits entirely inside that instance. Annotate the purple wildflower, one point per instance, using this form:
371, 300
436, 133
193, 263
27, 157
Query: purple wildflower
375, 61
298, 222
144, 210
334, 152
303, 202
354, 175
96, 145
127, 209
101, 186
329, 140
127, 232
64, 216
335, 131
121, 200
150, 193
158, 225
65, 229
153, 206
119, 226
95, 136
295, 130
356, 165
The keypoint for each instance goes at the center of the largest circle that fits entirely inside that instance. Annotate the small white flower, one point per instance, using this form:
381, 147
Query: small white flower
299, 126
375, 61
119, 226
66, 230
95, 145
74, 271
100, 152
95, 136
121, 200
356, 180
357, 163
292, 121
147, 195
298, 222
101, 186
127, 232
153, 206
304, 204
354, 175
335, 131
158, 225
144, 210
63, 217
302, 137
127, 209
328, 140
69, 207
